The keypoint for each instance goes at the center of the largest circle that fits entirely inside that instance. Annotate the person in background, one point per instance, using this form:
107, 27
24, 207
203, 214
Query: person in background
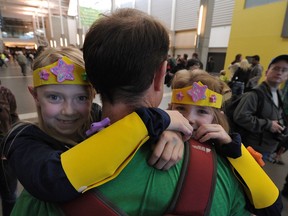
194, 61
171, 64
276, 157
8, 180
283, 148
223, 77
255, 74
22, 61
284, 190
185, 58
210, 64
39, 50
240, 78
235, 64
181, 63
4, 59
265, 129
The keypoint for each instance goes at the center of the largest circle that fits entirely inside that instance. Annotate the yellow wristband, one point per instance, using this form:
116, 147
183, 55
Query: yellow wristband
260, 189
101, 157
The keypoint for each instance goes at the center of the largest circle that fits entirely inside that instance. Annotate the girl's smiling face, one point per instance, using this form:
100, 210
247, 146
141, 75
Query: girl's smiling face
196, 115
64, 108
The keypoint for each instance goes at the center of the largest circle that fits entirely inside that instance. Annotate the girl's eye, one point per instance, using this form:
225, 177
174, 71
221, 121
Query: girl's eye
82, 98
203, 111
54, 98
180, 108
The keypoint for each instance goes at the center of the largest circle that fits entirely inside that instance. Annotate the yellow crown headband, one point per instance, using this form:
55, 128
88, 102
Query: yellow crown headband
197, 94
64, 71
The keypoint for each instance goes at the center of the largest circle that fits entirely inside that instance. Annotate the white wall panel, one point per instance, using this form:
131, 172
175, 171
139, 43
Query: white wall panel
142, 5
223, 11
186, 16
72, 31
219, 36
162, 9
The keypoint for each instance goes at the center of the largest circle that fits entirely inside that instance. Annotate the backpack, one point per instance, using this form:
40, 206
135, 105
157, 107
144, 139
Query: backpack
230, 106
193, 194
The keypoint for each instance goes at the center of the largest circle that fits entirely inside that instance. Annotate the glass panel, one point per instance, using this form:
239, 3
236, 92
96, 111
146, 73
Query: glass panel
253, 3
16, 28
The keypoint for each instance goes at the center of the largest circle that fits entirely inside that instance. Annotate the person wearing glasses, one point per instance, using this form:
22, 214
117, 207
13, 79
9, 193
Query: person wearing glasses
267, 128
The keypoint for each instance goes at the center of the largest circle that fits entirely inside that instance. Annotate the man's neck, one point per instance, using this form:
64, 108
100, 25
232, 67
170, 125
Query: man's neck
116, 112
272, 86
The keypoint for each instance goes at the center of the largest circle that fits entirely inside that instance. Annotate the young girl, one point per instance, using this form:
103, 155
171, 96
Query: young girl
198, 96
40, 155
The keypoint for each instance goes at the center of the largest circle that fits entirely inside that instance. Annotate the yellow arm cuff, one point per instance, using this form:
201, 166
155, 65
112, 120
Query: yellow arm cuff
260, 189
101, 157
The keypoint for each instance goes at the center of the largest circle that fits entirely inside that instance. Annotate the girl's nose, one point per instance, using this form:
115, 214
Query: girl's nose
68, 108
191, 118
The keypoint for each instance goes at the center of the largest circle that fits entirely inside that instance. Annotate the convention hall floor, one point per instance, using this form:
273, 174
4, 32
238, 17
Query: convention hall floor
12, 78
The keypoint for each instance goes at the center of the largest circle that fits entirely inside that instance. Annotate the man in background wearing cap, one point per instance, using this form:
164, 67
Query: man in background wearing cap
265, 127
255, 74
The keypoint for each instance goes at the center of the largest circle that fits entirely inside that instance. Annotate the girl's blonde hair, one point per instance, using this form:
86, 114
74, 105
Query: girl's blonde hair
49, 56
184, 78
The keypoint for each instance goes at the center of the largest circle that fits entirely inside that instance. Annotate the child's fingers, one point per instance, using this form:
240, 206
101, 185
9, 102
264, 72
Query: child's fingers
168, 151
175, 157
157, 152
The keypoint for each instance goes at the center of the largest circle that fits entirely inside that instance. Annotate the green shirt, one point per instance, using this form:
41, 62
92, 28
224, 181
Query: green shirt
143, 190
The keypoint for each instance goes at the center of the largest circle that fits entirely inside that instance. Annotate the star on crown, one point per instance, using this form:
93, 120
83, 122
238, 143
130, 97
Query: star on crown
63, 71
197, 92
44, 74
179, 96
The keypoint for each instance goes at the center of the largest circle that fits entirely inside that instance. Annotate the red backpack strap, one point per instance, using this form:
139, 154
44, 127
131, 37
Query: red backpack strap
91, 203
197, 181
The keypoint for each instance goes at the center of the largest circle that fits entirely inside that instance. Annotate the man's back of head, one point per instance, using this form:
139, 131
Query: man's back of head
122, 52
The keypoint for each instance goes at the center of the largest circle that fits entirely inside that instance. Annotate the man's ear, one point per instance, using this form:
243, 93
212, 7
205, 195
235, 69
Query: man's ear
160, 76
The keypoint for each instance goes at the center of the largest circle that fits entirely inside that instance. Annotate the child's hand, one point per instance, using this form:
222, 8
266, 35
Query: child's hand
168, 150
179, 123
212, 131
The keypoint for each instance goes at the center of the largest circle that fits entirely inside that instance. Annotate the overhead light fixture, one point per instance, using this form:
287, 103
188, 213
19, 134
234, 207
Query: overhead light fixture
78, 39
61, 41
200, 20
83, 38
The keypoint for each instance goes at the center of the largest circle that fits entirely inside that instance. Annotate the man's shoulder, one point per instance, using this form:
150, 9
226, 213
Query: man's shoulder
259, 67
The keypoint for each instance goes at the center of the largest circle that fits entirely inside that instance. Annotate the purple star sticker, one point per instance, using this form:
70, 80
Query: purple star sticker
179, 96
63, 71
213, 99
197, 92
44, 74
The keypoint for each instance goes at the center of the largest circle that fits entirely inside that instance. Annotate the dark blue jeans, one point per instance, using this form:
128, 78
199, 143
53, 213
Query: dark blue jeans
237, 88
